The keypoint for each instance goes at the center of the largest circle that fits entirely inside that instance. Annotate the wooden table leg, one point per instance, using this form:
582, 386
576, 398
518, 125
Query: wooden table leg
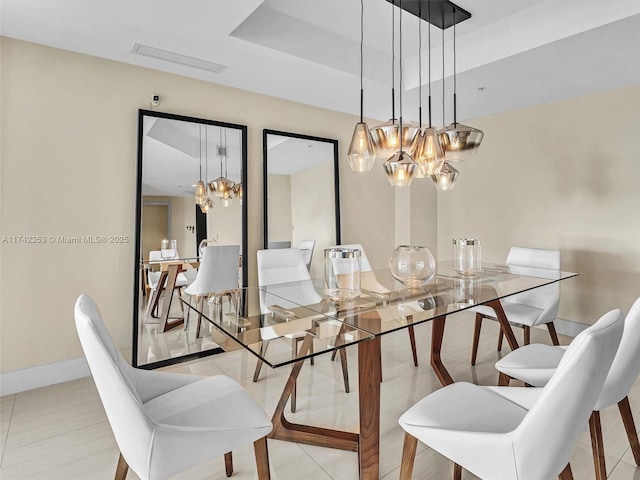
155, 298
504, 323
293, 432
437, 333
172, 276
369, 378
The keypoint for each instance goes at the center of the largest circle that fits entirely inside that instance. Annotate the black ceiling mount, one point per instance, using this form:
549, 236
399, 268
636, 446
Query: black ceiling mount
442, 11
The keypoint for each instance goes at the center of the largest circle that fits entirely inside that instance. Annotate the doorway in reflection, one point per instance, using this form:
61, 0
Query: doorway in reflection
174, 153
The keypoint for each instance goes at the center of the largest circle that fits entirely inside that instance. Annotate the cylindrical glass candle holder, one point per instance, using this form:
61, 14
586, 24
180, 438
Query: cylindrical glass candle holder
342, 273
467, 256
412, 265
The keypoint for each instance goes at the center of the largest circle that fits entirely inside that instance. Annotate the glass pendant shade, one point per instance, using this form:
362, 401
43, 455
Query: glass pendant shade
400, 169
201, 192
226, 200
206, 205
386, 137
460, 142
427, 152
221, 186
446, 178
361, 151
237, 191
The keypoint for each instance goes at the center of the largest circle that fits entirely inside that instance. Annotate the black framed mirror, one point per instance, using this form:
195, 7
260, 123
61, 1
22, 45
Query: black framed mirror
301, 194
174, 153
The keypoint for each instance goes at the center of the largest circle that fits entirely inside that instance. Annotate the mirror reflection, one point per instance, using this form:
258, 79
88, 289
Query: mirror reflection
301, 206
177, 223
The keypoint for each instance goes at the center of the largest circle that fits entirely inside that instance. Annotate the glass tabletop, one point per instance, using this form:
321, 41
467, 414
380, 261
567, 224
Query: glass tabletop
298, 309
273, 337
386, 305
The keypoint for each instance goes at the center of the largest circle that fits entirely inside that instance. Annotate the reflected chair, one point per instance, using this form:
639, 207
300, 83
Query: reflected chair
535, 364
307, 246
528, 309
516, 432
217, 277
283, 273
165, 423
369, 282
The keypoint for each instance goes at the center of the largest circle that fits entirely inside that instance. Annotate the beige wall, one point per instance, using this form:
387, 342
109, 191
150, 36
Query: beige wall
313, 211
562, 176
68, 153
182, 214
279, 205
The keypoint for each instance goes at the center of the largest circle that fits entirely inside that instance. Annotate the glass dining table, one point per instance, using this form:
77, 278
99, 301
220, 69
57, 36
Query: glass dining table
385, 306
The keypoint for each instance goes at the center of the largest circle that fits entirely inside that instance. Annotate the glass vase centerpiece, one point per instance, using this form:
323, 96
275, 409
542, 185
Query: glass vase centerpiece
412, 265
467, 256
342, 273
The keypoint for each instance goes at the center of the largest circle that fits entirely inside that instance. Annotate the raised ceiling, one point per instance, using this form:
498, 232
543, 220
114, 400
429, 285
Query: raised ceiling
511, 53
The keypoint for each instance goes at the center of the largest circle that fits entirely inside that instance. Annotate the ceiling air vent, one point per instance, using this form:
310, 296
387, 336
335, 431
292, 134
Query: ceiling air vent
173, 57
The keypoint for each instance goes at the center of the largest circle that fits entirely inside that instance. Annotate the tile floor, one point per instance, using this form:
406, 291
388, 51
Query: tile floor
61, 431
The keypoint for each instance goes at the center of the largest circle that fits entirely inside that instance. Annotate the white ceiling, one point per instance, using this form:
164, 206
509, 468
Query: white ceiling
520, 52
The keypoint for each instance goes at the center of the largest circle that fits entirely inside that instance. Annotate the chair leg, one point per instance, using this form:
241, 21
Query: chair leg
552, 333
566, 474
476, 338
200, 308
345, 369
121, 469
597, 446
262, 458
228, 464
263, 351
408, 456
527, 334
500, 337
503, 380
457, 472
412, 341
630, 427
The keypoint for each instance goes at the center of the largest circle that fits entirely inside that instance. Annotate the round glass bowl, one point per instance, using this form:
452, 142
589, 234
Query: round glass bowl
412, 265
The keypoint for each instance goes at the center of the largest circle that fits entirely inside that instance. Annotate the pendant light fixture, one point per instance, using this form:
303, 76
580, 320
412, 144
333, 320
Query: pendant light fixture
459, 141
361, 151
400, 167
201, 189
446, 178
221, 185
426, 149
386, 136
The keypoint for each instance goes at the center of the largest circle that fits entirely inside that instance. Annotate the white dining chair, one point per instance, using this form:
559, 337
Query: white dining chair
165, 423
538, 306
217, 277
370, 283
307, 246
535, 364
512, 433
283, 273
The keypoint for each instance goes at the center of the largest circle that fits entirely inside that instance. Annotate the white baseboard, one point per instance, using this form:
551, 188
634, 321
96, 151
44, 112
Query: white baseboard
42, 375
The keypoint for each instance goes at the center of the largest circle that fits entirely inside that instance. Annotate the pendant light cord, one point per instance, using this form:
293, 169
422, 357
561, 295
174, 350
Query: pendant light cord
400, 65
200, 150
220, 139
443, 101
361, 60
429, 57
455, 89
420, 71
393, 63
206, 153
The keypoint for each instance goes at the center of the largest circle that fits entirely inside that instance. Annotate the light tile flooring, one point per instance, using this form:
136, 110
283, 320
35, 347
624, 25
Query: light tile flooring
61, 431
